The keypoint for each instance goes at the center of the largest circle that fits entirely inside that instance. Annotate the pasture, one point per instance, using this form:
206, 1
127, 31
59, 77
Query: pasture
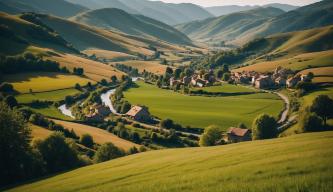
38, 132
100, 136
150, 66
299, 62
51, 111
297, 163
201, 111
92, 69
43, 81
56, 95
227, 88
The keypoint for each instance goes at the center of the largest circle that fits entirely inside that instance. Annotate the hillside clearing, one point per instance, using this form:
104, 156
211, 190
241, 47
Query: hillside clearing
201, 111
105, 54
100, 136
38, 132
43, 81
296, 163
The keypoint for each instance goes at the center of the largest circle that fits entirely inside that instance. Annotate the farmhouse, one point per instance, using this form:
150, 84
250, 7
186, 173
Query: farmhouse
97, 113
264, 82
292, 81
186, 80
280, 81
235, 135
139, 113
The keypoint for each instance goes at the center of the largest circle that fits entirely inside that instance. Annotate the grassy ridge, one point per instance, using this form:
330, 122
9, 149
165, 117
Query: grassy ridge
297, 163
200, 111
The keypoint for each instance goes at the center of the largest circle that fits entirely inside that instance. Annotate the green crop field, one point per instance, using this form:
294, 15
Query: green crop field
227, 88
200, 111
51, 111
43, 81
297, 163
56, 95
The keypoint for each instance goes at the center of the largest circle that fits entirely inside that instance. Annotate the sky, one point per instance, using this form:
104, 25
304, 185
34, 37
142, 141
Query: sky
209, 3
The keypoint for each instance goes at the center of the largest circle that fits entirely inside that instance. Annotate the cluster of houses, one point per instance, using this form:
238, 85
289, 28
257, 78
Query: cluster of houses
97, 113
195, 80
281, 77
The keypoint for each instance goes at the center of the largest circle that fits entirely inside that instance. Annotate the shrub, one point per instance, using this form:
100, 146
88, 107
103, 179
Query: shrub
87, 140
211, 136
6, 87
107, 152
11, 101
323, 106
166, 124
264, 127
310, 122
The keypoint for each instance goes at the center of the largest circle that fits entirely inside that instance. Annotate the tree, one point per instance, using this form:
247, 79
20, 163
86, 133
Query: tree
310, 122
107, 152
169, 70
225, 68
136, 137
6, 88
77, 86
133, 150
264, 127
177, 73
87, 140
226, 76
104, 82
242, 125
57, 153
69, 100
114, 79
167, 124
11, 101
219, 73
211, 136
323, 106
125, 107
17, 159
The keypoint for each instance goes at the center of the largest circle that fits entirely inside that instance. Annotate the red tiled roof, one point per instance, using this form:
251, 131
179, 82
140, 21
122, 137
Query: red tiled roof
237, 131
134, 110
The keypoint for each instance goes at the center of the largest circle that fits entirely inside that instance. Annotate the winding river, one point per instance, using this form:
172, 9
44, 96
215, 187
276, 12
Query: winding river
105, 97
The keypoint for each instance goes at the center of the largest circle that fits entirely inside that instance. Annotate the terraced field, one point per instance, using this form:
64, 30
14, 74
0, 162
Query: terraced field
201, 111
297, 163
43, 81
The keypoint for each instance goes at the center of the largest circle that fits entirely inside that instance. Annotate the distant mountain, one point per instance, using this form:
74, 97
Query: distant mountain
228, 27
116, 19
165, 12
228, 9
239, 28
59, 8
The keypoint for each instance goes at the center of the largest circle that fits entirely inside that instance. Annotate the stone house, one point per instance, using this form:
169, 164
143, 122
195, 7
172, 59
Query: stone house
264, 82
292, 81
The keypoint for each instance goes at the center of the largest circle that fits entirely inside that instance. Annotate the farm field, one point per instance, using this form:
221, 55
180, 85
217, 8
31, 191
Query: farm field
51, 111
38, 132
299, 62
92, 69
200, 111
227, 88
308, 99
150, 66
105, 54
296, 163
100, 136
56, 95
43, 81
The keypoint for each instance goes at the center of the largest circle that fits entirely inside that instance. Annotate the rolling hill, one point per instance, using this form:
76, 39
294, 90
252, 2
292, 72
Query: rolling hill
236, 29
295, 50
116, 19
296, 163
228, 9
228, 27
165, 12
59, 8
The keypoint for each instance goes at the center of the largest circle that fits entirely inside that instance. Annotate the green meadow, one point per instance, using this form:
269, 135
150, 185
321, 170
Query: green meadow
56, 95
296, 163
227, 88
201, 111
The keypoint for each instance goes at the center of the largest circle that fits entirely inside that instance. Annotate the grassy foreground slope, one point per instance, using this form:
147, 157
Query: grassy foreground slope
297, 163
201, 111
